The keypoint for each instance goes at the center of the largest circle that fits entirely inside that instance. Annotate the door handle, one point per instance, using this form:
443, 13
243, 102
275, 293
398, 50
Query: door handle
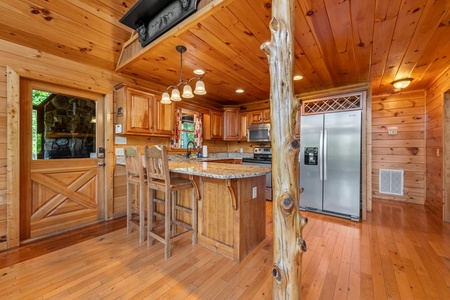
101, 163
320, 155
325, 154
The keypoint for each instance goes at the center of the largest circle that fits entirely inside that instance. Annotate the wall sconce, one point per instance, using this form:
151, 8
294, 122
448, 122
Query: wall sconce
401, 83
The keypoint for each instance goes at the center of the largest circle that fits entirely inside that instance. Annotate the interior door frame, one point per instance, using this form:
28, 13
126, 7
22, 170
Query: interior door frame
446, 158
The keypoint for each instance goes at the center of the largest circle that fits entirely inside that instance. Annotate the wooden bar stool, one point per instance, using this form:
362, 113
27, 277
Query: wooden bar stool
158, 179
135, 178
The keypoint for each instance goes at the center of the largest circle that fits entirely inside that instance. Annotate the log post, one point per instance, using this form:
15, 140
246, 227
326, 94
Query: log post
288, 244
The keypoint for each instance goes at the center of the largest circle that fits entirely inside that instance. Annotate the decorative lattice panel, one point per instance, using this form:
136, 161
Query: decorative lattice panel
340, 103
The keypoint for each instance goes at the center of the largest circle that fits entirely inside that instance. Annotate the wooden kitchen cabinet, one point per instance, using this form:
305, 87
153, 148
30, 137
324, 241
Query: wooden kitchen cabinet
243, 126
260, 116
231, 124
140, 113
213, 125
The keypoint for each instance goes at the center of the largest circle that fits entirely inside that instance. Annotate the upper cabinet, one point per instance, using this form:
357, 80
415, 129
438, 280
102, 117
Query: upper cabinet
213, 125
141, 113
260, 116
231, 124
243, 126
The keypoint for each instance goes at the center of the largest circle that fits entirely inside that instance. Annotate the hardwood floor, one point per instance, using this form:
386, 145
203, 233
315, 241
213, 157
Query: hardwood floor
402, 252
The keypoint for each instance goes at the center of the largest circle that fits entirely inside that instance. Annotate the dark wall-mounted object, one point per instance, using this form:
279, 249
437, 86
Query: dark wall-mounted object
152, 18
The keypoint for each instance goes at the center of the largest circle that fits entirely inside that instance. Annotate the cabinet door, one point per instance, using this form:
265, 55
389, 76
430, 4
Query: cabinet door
216, 125
243, 126
231, 125
139, 112
256, 117
164, 117
265, 116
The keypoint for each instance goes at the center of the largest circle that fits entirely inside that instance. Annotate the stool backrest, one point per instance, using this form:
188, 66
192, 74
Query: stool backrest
133, 163
157, 164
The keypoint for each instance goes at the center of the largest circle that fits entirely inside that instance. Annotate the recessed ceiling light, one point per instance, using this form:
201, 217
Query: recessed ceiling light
298, 77
239, 91
199, 72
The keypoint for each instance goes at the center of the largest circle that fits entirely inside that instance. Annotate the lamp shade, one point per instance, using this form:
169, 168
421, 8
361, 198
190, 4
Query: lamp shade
187, 91
200, 88
401, 83
175, 95
165, 99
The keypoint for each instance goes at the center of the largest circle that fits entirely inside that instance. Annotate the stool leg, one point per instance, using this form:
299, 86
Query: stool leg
150, 215
128, 208
141, 213
167, 224
194, 217
174, 213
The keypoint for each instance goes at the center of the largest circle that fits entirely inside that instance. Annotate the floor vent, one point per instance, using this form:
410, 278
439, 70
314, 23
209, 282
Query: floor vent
391, 182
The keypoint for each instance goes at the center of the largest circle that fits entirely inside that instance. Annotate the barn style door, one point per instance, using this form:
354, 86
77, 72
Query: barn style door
61, 132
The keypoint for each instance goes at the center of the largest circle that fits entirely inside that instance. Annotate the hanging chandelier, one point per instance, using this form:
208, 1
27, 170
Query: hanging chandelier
187, 89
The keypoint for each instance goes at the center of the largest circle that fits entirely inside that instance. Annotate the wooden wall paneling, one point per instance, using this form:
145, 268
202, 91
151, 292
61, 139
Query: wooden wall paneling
403, 151
3, 158
13, 168
446, 159
120, 192
109, 152
434, 141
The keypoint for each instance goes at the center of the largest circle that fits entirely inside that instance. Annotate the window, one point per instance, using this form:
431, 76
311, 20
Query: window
187, 128
63, 126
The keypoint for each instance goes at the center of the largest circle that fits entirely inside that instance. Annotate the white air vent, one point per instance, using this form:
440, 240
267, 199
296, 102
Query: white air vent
391, 182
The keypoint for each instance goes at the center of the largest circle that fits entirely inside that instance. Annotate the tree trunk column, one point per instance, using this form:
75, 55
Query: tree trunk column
288, 243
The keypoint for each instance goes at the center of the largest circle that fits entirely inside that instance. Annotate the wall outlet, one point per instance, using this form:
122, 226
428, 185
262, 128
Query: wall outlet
120, 151
120, 140
120, 159
437, 152
392, 130
254, 192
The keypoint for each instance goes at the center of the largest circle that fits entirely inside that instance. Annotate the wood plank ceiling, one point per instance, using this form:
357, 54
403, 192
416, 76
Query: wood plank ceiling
337, 42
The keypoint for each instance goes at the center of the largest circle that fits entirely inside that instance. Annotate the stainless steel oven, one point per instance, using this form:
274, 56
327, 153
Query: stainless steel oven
262, 156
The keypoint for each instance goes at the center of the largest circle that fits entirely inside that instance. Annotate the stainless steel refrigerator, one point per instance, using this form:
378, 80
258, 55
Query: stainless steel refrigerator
330, 163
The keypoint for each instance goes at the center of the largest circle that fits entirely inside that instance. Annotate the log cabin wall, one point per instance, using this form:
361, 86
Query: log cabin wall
3, 191
435, 143
403, 151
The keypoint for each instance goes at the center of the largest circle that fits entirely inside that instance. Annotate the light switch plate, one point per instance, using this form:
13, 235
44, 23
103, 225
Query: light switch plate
119, 128
254, 192
120, 159
120, 140
120, 151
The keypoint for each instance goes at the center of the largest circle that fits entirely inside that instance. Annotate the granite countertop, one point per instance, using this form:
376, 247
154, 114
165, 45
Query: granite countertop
217, 170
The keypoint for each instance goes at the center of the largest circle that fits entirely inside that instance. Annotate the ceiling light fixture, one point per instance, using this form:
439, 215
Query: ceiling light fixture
239, 91
401, 83
187, 89
298, 77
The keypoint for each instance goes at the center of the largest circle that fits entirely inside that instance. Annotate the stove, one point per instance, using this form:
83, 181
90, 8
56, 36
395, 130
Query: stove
262, 155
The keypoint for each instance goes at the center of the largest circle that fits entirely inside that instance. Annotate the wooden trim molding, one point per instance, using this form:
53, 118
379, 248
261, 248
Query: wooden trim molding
13, 157
109, 150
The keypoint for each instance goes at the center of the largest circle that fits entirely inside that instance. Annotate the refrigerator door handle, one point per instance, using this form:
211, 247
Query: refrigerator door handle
320, 156
325, 154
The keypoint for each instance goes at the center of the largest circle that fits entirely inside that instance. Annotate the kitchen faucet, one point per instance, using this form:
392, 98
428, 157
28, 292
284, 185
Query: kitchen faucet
188, 153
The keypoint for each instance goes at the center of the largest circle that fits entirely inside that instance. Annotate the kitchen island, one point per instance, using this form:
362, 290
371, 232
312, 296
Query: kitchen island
231, 204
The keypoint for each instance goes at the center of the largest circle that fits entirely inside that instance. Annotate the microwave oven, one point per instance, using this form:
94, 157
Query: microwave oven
258, 133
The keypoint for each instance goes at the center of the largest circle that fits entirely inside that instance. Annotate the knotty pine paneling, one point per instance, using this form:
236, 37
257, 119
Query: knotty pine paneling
436, 170
403, 151
3, 229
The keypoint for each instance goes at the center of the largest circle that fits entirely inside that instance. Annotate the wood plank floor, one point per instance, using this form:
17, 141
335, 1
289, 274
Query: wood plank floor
401, 252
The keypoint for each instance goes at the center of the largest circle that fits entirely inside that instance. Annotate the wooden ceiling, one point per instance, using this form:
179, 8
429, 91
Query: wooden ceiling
337, 43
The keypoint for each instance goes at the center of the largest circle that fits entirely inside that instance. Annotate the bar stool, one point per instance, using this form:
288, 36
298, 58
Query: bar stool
135, 178
158, 179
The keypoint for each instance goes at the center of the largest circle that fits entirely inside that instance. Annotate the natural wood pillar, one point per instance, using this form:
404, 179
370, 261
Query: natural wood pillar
288, 243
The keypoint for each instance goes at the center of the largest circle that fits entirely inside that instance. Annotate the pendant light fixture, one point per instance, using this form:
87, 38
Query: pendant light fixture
185, 85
